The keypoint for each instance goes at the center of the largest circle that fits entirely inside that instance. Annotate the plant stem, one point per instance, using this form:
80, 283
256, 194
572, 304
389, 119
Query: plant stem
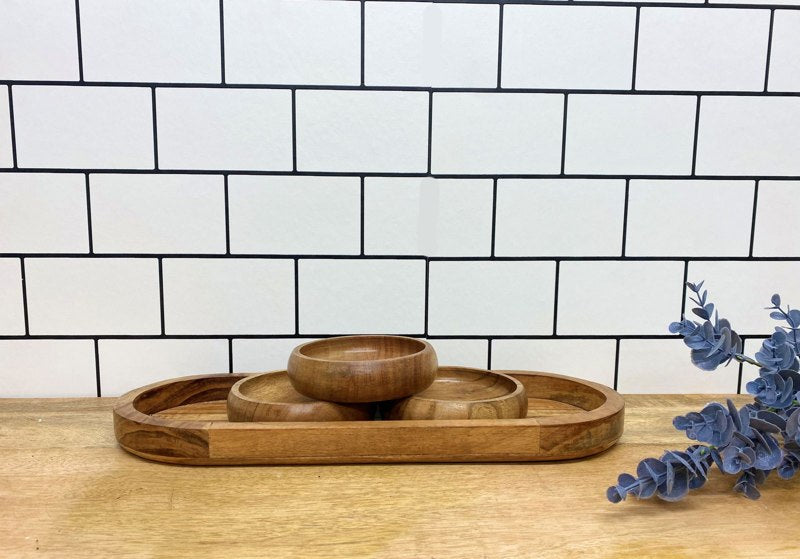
741, 358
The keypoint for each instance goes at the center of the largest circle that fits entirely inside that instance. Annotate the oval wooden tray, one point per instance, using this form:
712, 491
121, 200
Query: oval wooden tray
183, 421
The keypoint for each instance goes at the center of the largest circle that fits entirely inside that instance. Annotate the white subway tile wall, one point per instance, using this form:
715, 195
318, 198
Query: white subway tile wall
200, 186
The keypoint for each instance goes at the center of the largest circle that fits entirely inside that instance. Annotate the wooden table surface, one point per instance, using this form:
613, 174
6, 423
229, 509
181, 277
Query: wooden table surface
67, 490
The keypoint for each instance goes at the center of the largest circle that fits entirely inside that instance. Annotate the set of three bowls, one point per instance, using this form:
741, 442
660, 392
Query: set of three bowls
359, 378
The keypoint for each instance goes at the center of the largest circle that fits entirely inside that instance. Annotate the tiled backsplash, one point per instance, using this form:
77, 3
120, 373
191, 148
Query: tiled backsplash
198, 186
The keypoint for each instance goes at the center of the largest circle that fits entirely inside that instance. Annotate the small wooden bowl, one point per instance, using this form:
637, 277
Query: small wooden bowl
362, 368
270, 397
464, 393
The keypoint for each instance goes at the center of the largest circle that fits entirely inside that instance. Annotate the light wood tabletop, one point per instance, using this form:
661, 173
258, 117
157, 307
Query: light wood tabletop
68, 490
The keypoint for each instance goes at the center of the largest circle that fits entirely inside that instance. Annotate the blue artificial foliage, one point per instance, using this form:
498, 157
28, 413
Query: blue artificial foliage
751, 441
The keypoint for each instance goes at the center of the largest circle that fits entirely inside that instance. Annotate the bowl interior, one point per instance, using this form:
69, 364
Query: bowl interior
468, 385
362, 348
272, 387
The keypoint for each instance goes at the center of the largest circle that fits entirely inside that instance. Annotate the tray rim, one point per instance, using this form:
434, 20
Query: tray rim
202, 435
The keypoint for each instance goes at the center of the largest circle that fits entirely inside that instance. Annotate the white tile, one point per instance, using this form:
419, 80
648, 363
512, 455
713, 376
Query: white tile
749, 136
664, 367
433, 217
636, 134
371, 131
778, 204
129, 364
770, 2
570, 47
12, 320
232, 129
461, 353
784, 64
228, 296
6, 151
662, 220
158, 213
362, 296
89, 296
39, 40
587, 359
294, 215
559, 217
151, 40
47, 369
426, 44
610, 297
497, 133
701, 50
43, 213
292, 42
491, 298
251, 355
83, 127
741, 290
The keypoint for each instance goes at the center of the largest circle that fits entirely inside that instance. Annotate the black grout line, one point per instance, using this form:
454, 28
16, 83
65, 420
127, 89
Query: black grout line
696, 133
363, 33
97, 367
753, 219
555, 299
13, 129
161, 293
227, 216
635, 48
80, 44
494, 216
489, 355
294, 131
331, 87
122, 171
24, 296
625, 217
769, 47
564, 134
683, 287
427, 293
222, 42
230, 355
551, 258
297, 297
89, 214
739, 381
155, 128
500, 48
616, 364
361, 225
216, 336
430, 130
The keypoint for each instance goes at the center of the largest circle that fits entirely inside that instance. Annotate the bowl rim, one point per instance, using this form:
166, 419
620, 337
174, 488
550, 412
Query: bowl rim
236, 389
298, 351
518, 386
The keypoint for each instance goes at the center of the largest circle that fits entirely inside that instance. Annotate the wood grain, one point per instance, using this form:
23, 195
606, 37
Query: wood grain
464, 393
143, 428
271, 397
357, 369
69, 491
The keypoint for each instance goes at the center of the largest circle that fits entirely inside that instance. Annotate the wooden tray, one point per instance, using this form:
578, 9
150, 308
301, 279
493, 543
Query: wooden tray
183, 421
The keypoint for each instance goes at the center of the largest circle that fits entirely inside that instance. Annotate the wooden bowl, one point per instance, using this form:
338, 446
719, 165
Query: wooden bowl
355, 369
464, 393
270, 397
